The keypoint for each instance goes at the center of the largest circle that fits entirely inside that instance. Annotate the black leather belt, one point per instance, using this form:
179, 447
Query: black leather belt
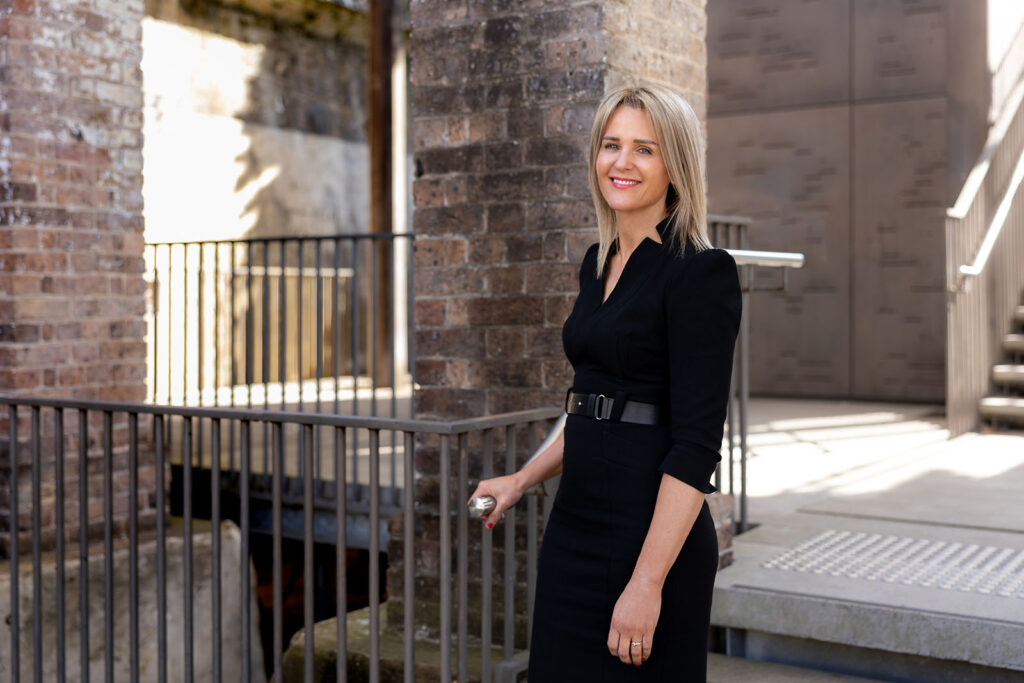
601, 407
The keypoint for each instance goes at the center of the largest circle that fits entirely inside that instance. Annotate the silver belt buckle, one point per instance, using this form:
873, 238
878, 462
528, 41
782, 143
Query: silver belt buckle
599, 406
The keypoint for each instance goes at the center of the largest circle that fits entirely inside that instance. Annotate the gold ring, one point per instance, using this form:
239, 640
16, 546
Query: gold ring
634, 643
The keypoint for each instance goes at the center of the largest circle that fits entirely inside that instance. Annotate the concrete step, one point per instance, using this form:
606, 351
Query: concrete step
725, 669
1014, 343
1008, 374
1002, 408
875, 598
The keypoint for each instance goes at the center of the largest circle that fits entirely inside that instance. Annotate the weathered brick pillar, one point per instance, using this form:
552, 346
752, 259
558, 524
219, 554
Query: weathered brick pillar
71, 288
502, 99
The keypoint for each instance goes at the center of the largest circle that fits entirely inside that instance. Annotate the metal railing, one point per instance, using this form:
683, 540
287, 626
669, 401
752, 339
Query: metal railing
300, 323
984, 265
49, 429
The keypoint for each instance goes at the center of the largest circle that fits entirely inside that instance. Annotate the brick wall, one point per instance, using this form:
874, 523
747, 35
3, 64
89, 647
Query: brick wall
71, 288
501, 103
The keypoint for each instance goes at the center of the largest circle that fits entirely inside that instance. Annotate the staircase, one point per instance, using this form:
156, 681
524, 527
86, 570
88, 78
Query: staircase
1006, 407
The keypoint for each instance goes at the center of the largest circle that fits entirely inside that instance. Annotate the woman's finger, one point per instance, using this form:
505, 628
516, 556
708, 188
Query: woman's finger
624, 655
613, 643
646, 650
636, 650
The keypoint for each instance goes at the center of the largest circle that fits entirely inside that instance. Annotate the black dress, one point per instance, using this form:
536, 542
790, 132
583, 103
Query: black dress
666, 336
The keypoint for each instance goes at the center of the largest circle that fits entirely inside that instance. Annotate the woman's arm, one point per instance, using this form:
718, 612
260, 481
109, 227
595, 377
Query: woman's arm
509, 489
637, 609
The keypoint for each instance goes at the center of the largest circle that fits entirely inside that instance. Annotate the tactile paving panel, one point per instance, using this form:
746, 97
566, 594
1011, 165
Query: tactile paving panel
910, 561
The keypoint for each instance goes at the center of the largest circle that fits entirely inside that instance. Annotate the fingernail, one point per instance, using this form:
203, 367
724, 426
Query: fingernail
643, 659
490, 524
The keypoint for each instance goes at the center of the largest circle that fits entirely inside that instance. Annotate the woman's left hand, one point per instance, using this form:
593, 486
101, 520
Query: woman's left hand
633, 621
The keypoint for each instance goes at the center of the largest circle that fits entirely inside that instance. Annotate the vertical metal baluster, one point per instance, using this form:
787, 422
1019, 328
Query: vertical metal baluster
12, 448
170, 320
319, 323
248, 326
83, 545
509, 572
37, 565
282, 297
184, 326
309, 597
340, 570
155, 339
108, 545
394, 372
216, 324
278, 477
408, 561
298, 313
486, 567
531, 539
215, 664
744, 397
58, 436
354, 351
201, 330
161, 557
133, 543
233, 350
186, 480
319, 353
336, 348
265, 341
446, 560
374, 556
243, 560
373, 326
462, 577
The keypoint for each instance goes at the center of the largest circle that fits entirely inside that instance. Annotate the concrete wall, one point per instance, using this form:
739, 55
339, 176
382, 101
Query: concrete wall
844, 129
255, 119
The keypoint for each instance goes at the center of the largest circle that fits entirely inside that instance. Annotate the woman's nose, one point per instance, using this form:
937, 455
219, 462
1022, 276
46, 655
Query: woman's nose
622, 160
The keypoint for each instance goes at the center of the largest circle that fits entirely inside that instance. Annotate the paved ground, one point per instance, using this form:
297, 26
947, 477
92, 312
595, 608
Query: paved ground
912, 542
722, 669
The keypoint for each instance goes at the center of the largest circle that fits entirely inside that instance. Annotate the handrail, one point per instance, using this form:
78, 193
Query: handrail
452, 427
976, 177
995, 227
767, 259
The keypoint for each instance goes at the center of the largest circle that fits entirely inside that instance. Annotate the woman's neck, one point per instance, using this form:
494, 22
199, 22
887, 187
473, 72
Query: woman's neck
633, 228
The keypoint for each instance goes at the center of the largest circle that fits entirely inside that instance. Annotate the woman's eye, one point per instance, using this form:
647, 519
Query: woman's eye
645, 150
610, 145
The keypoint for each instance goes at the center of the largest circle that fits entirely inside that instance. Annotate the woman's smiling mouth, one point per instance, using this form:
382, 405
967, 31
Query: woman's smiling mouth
623, 183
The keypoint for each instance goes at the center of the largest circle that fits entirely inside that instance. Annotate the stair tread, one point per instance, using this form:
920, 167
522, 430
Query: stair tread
1002, 406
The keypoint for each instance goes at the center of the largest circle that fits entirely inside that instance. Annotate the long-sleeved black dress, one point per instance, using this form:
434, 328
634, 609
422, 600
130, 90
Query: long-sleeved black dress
665, 335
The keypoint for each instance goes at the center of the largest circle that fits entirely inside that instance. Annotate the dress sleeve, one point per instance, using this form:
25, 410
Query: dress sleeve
702, 313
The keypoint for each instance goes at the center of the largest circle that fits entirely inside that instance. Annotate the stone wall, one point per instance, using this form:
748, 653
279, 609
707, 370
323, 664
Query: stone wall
71, 226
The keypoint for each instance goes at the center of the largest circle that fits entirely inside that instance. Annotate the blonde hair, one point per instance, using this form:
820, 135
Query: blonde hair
682, 149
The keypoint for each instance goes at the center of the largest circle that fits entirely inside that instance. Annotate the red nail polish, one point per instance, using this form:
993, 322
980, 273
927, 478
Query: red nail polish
643, 659
490, 524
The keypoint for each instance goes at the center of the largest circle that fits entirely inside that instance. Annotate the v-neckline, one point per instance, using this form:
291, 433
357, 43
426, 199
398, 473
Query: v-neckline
602, 299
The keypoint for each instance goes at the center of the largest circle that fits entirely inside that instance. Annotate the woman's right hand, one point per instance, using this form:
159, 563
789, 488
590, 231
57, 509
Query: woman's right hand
506, 492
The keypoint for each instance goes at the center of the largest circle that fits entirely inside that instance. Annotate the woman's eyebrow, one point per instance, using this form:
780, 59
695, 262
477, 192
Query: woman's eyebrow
637, 140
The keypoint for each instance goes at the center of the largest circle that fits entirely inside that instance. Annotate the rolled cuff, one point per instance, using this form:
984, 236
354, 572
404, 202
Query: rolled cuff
691, 464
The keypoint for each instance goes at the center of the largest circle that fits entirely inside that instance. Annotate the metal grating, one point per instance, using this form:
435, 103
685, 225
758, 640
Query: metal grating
910, 561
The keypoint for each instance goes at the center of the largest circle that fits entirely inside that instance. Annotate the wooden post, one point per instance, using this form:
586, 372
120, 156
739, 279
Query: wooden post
380, 60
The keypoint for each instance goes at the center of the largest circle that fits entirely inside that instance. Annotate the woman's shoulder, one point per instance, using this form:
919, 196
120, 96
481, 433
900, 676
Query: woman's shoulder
690, 261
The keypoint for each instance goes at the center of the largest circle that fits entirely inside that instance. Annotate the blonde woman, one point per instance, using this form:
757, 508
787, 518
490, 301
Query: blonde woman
629, 555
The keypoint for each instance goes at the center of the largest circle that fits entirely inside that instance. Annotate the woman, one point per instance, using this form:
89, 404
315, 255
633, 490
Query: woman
629, 555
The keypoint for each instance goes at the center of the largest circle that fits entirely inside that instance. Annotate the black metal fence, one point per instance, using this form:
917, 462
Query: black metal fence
301, 323
51, 424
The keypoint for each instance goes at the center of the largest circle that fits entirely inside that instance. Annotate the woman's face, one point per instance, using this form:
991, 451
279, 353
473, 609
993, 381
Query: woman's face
630, 170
